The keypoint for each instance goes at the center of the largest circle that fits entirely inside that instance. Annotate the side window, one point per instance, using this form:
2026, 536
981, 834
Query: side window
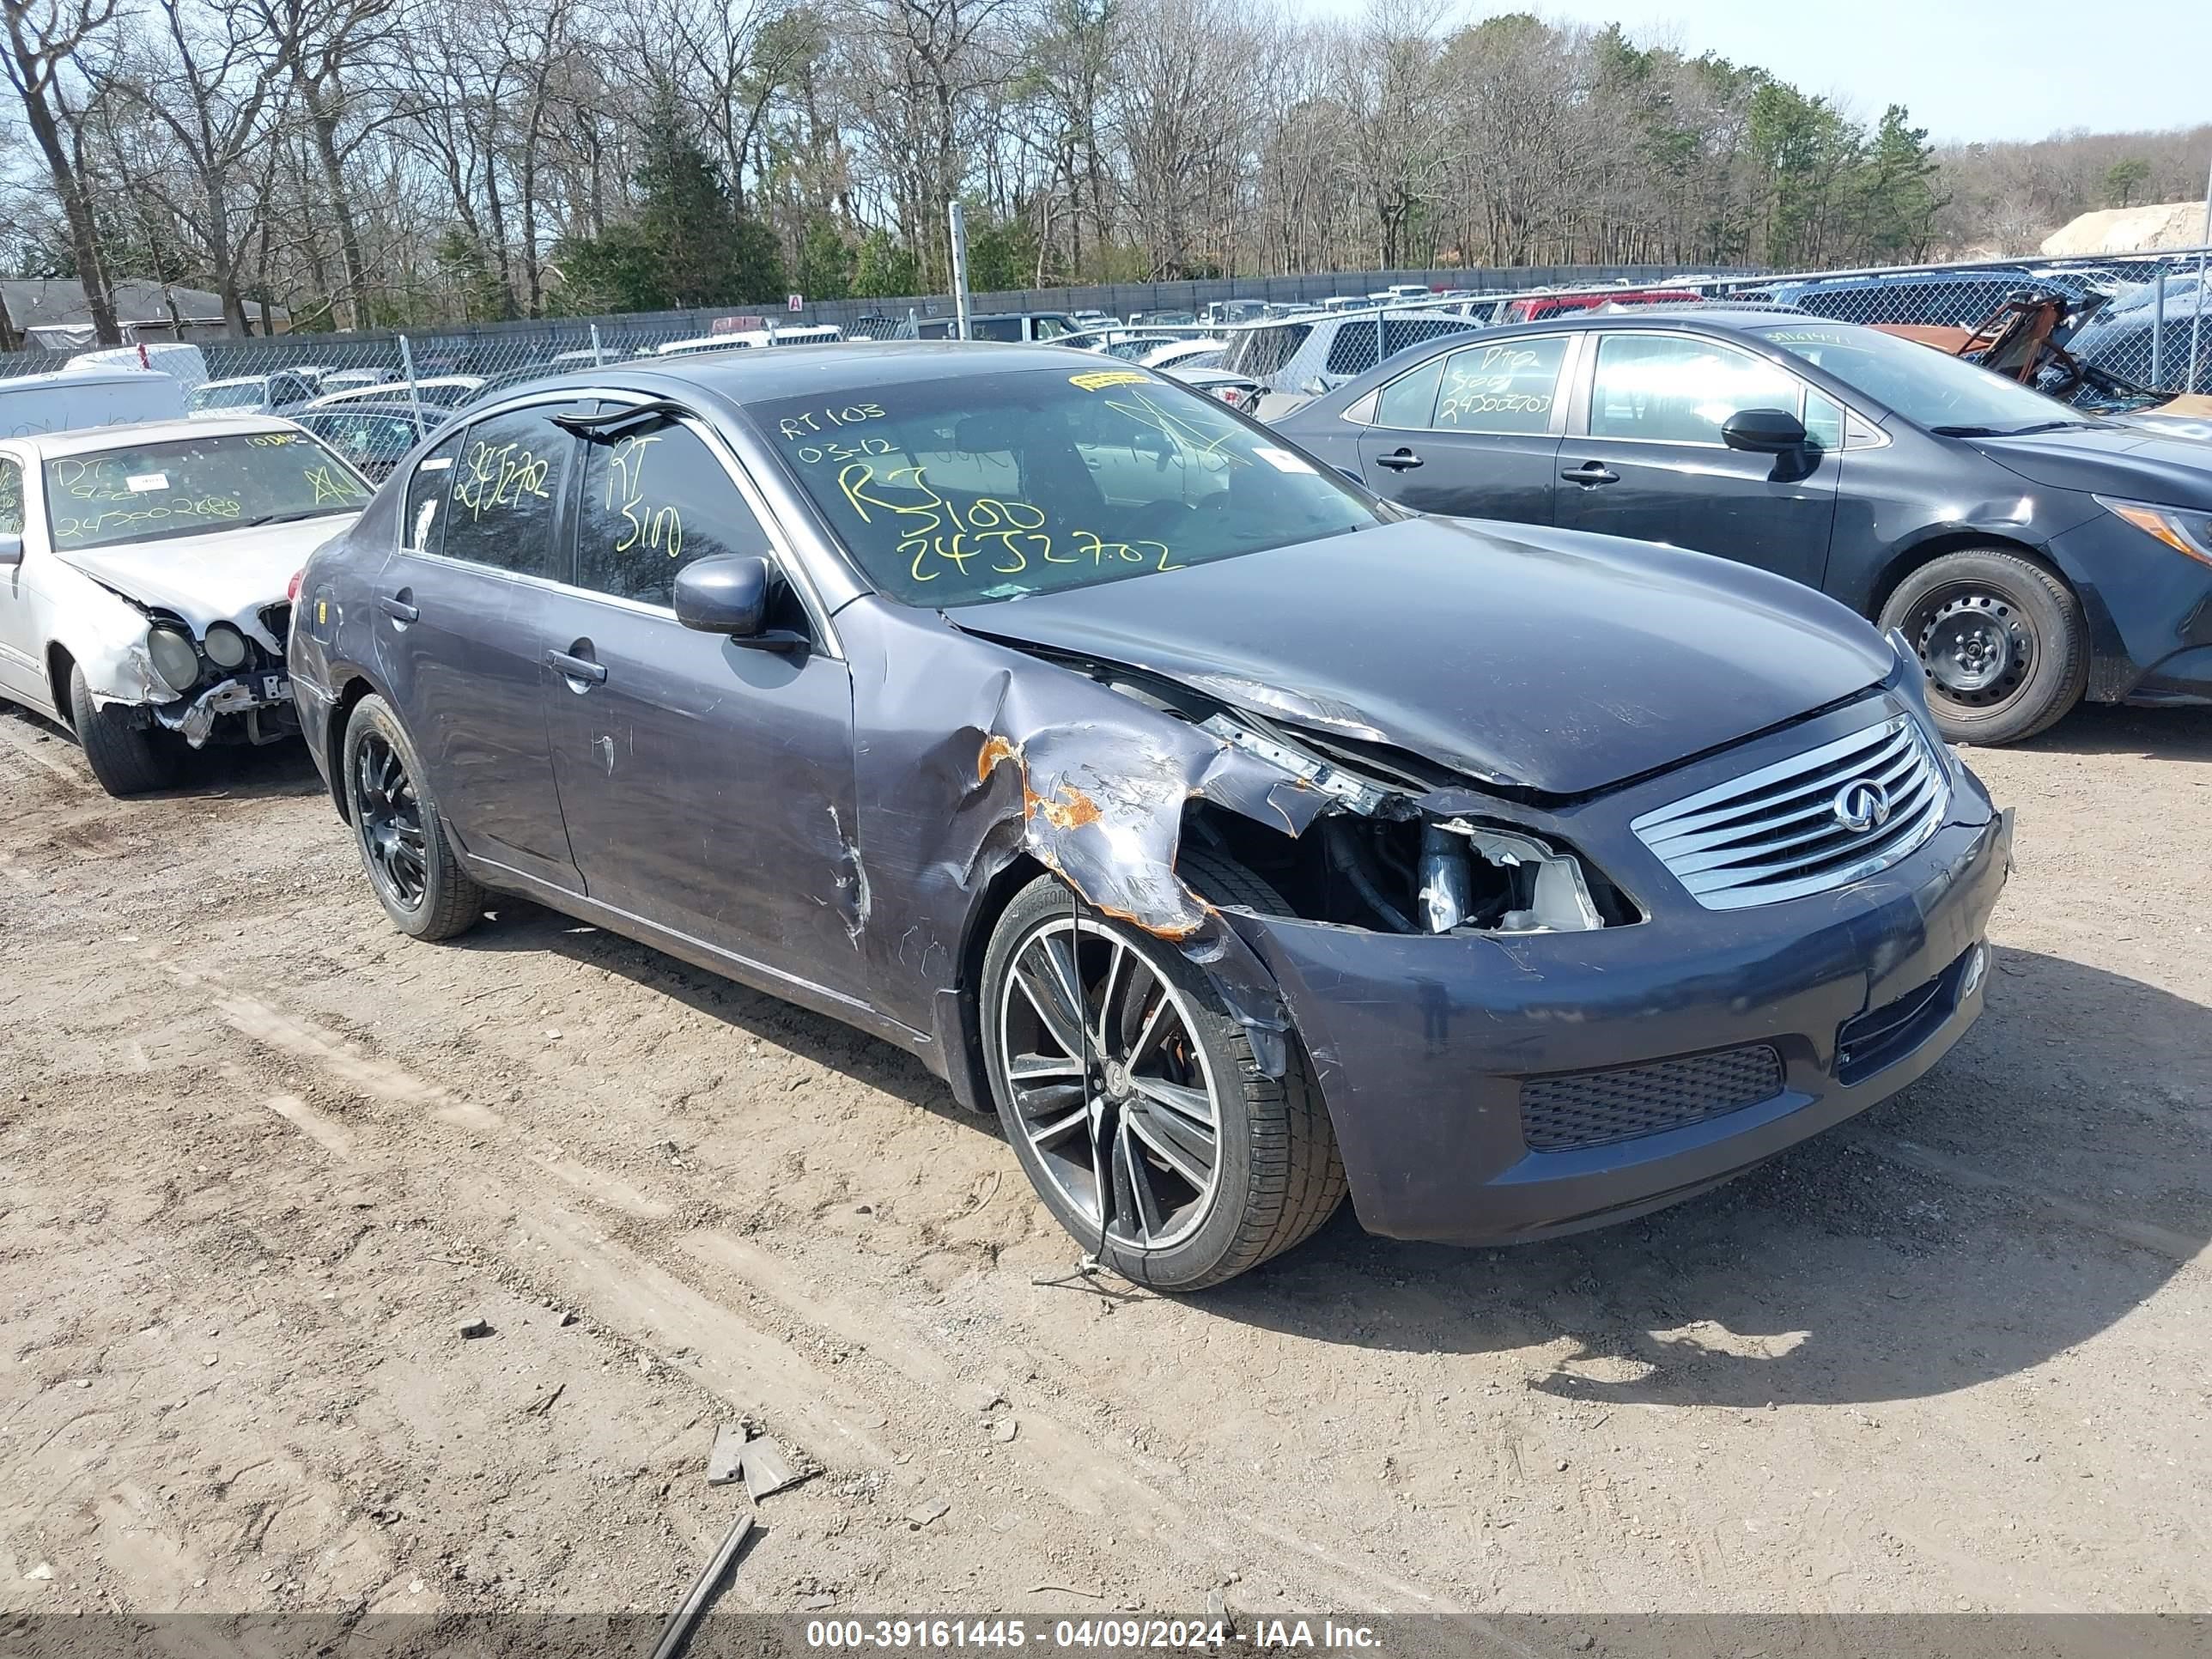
507, 483
1411, 399
1824, 420
11, 498
655, 501
424, 530
1506, 387
1677, 388
994, 328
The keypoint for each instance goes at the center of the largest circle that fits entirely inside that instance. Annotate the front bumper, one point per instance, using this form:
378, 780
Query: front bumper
1423, 1045
2150, 610
263, 697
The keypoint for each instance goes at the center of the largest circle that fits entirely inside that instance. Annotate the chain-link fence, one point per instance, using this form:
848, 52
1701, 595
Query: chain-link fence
2138, 317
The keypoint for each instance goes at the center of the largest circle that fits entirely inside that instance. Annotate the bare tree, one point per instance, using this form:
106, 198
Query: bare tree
46, 40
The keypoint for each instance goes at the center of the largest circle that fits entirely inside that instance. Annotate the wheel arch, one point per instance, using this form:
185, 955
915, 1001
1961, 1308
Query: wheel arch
1922, 554
960, 1008
61, 662
352, 688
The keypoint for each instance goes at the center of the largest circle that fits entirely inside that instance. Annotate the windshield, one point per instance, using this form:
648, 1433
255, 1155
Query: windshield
238, 394
960, 491
1926, 386
194, 486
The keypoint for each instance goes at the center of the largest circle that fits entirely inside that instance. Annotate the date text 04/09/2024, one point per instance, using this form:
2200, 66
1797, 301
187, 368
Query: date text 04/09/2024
1108, 1635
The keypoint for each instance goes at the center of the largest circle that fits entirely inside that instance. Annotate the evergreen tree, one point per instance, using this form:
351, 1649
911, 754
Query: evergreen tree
886, 270
1898, 199
825, 260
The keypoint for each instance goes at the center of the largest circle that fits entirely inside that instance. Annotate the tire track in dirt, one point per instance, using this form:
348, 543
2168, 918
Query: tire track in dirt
632, 1290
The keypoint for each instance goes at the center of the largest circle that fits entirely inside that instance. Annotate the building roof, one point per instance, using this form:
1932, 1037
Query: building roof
43, 301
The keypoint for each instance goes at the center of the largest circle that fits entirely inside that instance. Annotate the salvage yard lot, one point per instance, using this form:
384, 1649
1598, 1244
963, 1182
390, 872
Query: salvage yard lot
260, 1157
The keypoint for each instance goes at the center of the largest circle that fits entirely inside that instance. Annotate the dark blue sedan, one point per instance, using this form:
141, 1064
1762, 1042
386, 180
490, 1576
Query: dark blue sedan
1239, 837
2031, 554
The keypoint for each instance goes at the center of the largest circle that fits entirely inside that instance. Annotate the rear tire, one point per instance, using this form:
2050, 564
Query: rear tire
2003, 643
1218, 1198
411, 863
127, 758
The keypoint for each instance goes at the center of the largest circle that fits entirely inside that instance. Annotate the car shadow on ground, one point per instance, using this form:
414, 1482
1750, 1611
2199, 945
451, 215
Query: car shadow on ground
2104, 728
235, 771
2051, 1175
2041, 1183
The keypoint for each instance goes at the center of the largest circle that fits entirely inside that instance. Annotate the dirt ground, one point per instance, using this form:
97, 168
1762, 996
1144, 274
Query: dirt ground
260, 1157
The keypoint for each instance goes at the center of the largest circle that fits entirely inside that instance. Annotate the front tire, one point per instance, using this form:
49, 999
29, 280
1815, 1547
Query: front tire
127, 758
2003, 643
412, 866
1205, 1165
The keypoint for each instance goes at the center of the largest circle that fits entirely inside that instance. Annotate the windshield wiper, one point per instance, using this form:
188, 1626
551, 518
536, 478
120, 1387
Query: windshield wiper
2007, 431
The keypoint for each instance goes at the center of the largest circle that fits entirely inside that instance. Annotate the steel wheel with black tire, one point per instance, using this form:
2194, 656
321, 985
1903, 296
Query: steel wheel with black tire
2002, 643
412, 866
1132, 1099
127, 757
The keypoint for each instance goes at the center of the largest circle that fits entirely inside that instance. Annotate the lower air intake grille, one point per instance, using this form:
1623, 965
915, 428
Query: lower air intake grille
1588, 1109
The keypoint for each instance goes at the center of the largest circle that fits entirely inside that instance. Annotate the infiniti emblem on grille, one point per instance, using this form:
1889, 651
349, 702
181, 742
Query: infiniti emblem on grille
1861, 806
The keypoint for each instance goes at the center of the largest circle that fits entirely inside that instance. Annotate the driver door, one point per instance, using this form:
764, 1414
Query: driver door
1644, 458
707, 784
22, 675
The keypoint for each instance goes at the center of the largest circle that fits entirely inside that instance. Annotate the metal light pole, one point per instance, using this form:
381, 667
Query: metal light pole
2197, 316
956, 222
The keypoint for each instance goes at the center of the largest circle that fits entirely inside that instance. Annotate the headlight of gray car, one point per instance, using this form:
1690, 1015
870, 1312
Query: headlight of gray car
2186, 529
225, 646
176, 659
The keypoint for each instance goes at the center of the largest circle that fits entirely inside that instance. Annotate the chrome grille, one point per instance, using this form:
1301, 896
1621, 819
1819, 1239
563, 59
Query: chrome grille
1782, 832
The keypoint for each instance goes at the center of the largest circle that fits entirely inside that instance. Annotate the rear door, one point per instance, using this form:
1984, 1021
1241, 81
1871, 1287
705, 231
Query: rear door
1643, 455
708, 785
465, 609
1473, 433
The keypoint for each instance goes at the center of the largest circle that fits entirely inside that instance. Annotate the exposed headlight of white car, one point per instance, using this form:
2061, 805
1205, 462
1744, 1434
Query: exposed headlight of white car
226, 647
175, 658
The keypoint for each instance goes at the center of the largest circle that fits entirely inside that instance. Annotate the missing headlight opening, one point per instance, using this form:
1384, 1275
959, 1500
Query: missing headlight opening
1417, 873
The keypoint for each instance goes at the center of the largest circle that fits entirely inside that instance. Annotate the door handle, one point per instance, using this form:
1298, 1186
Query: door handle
1404, 461
578, 668
1591, 472
395, 607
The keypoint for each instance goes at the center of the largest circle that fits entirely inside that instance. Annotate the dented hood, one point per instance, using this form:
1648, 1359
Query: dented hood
1548, 660
223, 576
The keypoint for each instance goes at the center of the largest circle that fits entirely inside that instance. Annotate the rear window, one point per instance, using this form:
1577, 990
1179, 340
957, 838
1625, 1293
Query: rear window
1262, 351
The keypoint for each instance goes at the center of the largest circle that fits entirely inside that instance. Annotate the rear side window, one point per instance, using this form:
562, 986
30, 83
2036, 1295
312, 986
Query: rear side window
1508, 387
11, 498
424, 528
994, 328
1353, 351
1679, 388
655, 501
1410, 400
505, 484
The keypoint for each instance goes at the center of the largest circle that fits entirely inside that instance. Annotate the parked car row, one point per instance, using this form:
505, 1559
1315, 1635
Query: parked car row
1004, 699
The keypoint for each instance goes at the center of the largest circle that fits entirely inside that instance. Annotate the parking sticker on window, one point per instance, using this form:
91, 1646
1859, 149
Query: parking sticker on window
1282, 460
140, 483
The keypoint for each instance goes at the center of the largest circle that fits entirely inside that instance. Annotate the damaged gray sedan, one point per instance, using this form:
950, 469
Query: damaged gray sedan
1239, 838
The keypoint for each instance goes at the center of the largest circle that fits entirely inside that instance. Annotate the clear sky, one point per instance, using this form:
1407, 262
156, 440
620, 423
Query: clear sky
1966, 69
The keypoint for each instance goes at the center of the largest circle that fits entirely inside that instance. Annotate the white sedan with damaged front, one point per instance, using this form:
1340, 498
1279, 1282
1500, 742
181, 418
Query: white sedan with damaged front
145, 582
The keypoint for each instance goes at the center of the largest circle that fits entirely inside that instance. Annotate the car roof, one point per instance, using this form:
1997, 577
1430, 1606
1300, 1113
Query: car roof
744, 377
91, 439
359, 406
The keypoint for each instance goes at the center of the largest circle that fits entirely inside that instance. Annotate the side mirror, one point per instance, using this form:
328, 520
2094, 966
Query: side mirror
11, 552
729, 595
1764, 431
